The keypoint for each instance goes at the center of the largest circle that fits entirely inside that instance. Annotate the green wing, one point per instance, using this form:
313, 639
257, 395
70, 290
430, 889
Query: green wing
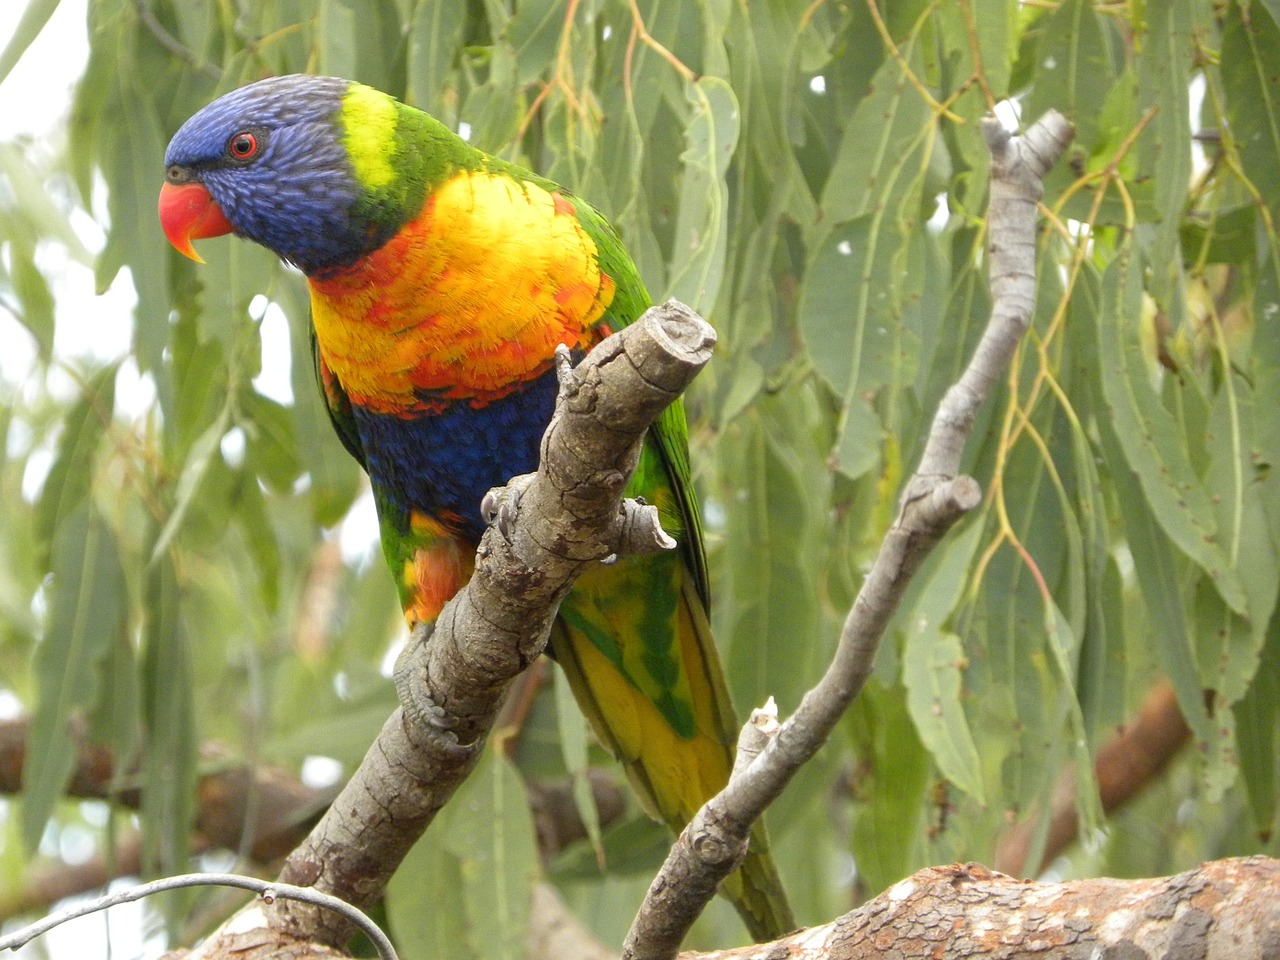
337, 403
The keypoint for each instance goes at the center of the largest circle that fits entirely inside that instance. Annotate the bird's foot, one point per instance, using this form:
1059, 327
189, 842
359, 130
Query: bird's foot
427, 716
501, 504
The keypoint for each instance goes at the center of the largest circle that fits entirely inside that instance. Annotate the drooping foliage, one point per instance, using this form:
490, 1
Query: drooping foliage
182, 557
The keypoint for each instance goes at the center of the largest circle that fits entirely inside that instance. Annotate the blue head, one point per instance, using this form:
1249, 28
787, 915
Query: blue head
271, 158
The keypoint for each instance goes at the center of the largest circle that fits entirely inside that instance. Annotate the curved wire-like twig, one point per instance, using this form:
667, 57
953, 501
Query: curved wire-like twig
265, 889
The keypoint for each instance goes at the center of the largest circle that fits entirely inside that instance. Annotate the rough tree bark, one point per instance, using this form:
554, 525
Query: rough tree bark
1225, 910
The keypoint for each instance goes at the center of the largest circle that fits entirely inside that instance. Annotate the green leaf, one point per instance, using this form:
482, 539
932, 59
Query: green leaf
199, 460
70, 476
33, 295
114, 720
133, 161
435, 39
1164, 151
859, 283
343, 731
855, 340
1226, 236
933, 668
1064, 644
1104, 668
337, 22
259, 536
945, 349
499, 863
233, 275
1074, 68
86, 611
480, 860
573, 737
767, 609
1231, 642
571, 143
271, 448
860, 438
1256, 718
887, 825
1222, 756
427, 904
634, 848
698, 251
877, 169
32, 199
196, 28
1150, 437
534, 33
169, 713
1250, 67
33, 20
494, 108
1160, 582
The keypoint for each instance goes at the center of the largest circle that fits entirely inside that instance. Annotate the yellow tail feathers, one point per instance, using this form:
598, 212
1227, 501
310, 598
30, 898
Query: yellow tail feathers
665, 714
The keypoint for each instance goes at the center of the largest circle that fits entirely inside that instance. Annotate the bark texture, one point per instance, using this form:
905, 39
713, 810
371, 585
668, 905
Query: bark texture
1225, 910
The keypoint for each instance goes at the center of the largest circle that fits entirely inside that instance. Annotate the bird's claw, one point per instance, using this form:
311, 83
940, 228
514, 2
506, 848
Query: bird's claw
489, 506
428, 717
501, 504
565, 375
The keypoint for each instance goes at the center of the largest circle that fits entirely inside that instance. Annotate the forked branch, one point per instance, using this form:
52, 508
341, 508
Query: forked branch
934, 499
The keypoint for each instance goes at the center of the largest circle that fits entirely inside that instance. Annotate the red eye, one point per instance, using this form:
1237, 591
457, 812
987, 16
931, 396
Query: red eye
243, 146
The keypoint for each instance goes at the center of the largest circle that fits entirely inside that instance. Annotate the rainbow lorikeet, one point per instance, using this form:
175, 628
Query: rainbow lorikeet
442, 280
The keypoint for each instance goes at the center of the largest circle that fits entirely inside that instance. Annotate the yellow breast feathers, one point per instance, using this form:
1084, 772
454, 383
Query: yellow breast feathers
469, 300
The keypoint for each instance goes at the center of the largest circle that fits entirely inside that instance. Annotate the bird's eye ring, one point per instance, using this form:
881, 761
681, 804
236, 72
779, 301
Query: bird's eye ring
243, 146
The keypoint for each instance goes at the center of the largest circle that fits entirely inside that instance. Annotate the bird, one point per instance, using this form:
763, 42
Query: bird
442, 280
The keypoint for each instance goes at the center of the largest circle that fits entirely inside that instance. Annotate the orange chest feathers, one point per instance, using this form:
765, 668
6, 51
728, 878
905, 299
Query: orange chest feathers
468, 300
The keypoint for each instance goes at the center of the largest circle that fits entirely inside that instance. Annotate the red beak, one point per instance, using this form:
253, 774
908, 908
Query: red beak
188, 212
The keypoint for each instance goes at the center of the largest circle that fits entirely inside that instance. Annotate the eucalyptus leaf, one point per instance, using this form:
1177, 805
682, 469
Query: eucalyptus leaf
435, 37
169, 762
86, 604
1148, 435
697, 259
933, 665
34, 18
1074, 67
498, 864
70, 476
1250, 66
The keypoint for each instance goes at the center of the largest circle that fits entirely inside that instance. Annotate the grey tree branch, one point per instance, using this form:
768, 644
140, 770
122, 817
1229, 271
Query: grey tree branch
1228, 908
549, 527
934, 498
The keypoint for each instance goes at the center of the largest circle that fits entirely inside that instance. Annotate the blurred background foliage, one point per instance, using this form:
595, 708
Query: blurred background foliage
186, 553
